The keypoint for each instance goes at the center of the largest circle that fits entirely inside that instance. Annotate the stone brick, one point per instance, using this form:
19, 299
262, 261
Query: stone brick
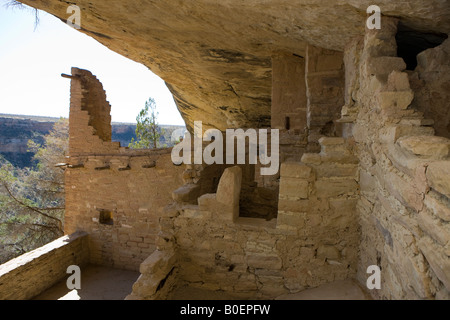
290, 220
311, 158
328, 188
295, 170
294, 205
395, 99
328, 252
434, 228
428, 146
293, 188
264, 261
343, 206
331, 141
398, 81
438, 174
187, 193
439, 262
439, 205
230, 186
390, 134
328, 170
385, 65
405, 191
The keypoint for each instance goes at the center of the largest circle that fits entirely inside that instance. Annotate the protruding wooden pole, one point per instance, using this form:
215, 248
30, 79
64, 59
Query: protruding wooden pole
69, 76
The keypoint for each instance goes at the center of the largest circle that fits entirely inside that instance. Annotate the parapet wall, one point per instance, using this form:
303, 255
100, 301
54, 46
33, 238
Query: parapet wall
313, 241
116, 199
90, 119
112, 193
32, 273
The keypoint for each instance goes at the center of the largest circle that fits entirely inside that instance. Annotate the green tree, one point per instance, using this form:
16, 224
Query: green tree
32, 199
148, 131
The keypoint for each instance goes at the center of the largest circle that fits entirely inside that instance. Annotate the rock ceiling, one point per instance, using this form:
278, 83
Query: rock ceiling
215, 56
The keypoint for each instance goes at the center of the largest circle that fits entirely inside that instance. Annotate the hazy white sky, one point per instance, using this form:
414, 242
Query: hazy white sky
31, 63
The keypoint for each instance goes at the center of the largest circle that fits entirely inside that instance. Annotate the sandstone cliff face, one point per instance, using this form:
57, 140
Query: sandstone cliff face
15, 134
216, 55
17, 130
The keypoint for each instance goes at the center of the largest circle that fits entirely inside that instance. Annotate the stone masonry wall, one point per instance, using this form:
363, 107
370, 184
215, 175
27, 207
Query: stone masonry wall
32, 273
404, 207
324, 91
129, 188
289, 105
90, 119
112, 193
313, 241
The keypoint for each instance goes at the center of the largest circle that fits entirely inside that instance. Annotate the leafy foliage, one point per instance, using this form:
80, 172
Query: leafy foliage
32, 199
148, 132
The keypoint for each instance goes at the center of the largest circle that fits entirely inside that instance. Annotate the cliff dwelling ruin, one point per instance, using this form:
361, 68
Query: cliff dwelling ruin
364, 127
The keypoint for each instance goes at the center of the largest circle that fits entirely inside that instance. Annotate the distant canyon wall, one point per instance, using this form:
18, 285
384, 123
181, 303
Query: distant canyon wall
16, 130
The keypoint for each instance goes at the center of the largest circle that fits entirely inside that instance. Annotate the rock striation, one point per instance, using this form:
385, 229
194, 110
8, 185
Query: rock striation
216, 55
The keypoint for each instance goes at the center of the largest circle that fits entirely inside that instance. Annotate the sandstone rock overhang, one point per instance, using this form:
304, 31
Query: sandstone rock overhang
215, 56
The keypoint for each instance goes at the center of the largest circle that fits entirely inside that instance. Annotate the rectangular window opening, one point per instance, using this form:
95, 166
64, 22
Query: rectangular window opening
106, 217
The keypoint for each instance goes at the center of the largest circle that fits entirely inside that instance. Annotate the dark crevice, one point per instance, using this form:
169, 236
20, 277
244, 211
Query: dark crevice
412, 42
163, 281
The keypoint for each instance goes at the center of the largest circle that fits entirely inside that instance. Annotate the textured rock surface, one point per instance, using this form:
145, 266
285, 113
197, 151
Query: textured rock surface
215, 55
431, 82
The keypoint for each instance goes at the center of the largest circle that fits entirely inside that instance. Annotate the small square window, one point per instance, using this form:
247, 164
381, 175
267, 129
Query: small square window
106, 217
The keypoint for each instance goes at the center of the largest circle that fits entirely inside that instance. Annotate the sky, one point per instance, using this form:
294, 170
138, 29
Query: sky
32, 60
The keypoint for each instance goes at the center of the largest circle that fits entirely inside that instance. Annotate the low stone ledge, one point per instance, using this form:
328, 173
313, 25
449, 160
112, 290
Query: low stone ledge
432, 147
34, 272
158, 277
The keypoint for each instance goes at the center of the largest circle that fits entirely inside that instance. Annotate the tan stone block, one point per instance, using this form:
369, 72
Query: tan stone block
293, 188
328, 252
290, 220
187, 193
158, 262
328, 170
437, 260
170, 211
429, 146
385, 65
294, 205
311, 158
207, 201
295, 170
367, 182
391, 100
230, 186
331, 141
434, 228
194, 212
327, 188
398, 81
437, 204
438, 176
392, 133
343, 206
404, 191
264, 261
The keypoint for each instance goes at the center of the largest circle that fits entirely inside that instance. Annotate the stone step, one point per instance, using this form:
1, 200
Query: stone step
385, 65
